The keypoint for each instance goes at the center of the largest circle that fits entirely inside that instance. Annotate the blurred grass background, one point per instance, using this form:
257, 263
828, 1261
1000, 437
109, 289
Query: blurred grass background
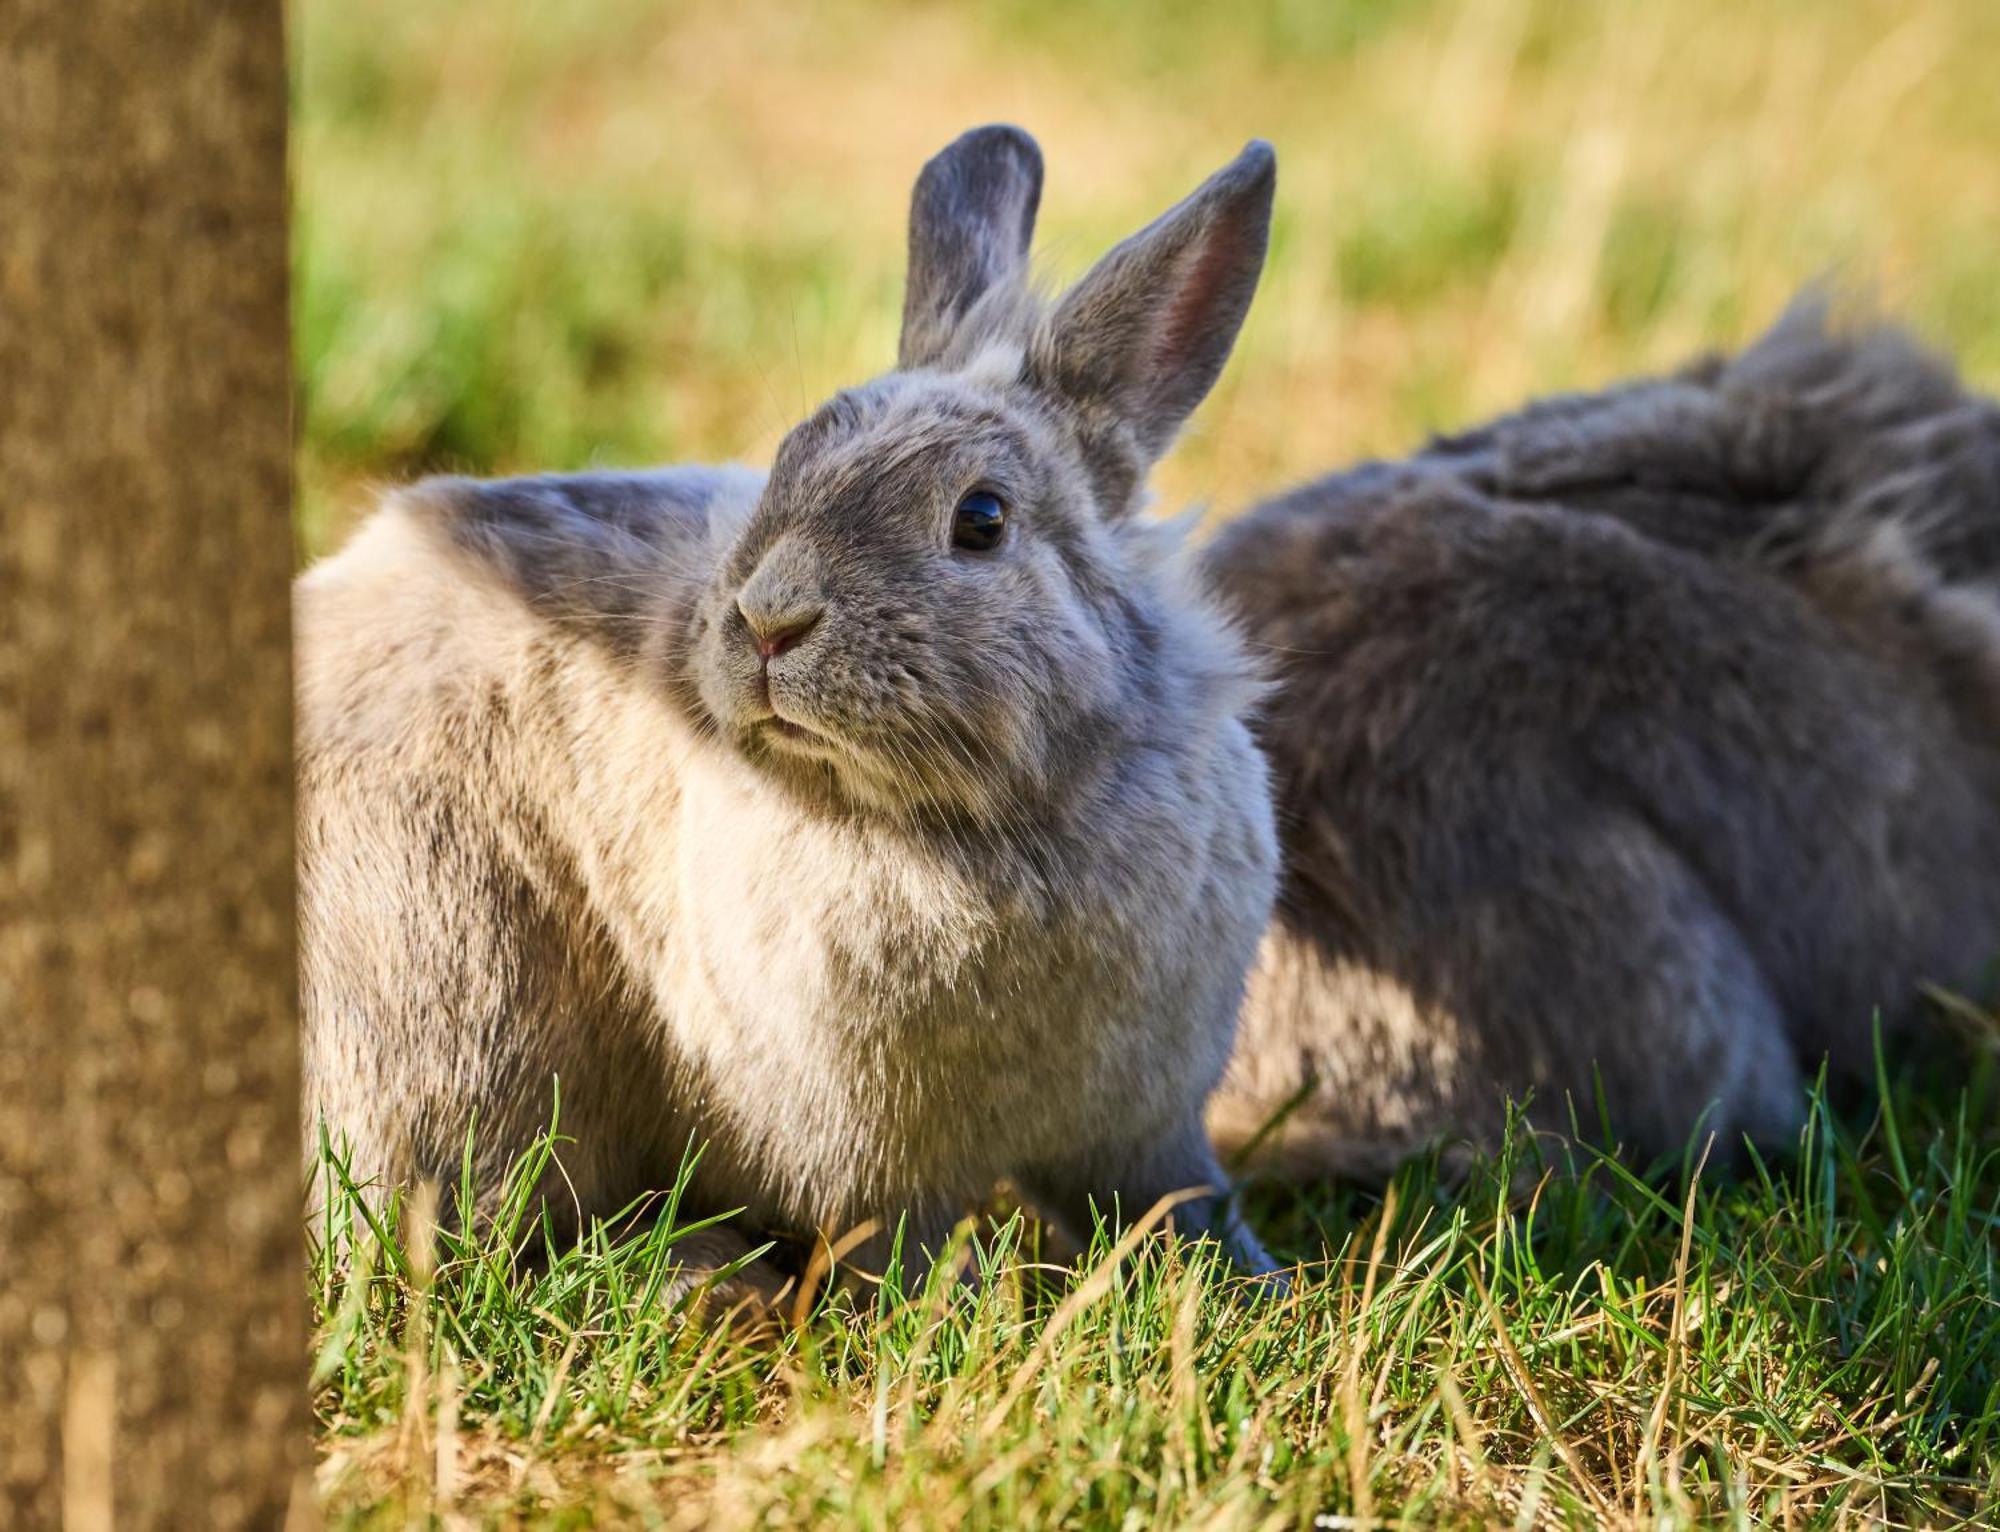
555, 233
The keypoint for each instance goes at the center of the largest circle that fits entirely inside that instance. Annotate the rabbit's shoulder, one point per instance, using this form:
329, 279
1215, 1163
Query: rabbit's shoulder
1411, 619
457, 590
1389, 557
587, 548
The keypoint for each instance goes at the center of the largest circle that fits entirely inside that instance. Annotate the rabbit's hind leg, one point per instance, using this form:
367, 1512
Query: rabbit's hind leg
1659, 1002
1586, 958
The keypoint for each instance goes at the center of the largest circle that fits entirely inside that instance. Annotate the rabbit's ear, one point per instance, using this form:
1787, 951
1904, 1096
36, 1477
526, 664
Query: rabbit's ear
971, 218
1138, 343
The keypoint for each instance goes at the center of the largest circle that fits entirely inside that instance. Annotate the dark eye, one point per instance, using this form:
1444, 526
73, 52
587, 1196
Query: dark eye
978, 523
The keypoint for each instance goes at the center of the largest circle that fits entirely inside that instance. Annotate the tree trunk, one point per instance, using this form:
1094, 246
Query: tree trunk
151, 1353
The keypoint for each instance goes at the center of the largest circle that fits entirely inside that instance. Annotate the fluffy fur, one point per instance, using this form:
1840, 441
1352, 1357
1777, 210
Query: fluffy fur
761, 816
1647, 740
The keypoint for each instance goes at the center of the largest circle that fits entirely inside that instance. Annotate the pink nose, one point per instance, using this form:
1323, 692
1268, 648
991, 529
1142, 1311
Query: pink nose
774, 635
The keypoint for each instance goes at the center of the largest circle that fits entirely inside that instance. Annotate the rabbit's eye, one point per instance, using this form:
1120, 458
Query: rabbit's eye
979, 522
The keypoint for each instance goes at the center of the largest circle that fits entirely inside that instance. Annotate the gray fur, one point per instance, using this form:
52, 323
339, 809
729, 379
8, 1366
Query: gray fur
972, 219
1650, 737
963, 886
1140, 341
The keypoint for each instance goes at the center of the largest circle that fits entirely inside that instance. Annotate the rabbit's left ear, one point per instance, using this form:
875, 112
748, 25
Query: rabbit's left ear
1138, 343
972, 217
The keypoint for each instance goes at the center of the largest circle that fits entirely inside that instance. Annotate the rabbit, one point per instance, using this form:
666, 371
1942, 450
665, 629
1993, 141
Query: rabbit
1644, 743
888, 823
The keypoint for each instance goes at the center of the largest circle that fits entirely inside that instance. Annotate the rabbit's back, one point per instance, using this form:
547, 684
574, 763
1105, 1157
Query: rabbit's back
1846, 460
1566, 800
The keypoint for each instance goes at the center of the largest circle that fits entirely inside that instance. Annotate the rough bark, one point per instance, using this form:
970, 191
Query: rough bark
151, 1356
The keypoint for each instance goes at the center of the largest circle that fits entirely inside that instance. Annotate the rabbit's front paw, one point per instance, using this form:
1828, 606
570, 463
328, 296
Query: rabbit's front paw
1178, 1177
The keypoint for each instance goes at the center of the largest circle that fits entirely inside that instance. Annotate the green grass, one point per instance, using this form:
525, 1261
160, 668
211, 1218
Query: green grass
542, 234
1549, 1339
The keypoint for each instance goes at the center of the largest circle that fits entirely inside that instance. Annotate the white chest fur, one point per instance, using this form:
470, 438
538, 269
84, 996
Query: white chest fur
845, 1010
852, 1014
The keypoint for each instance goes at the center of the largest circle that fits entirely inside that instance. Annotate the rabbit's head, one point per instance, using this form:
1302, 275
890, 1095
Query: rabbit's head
942, 602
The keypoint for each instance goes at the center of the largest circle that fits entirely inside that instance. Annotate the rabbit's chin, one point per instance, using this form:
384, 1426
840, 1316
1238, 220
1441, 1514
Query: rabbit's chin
771, 738
894, 783
790, 734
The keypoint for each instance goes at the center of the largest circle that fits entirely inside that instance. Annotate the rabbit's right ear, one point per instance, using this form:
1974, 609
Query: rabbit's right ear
1138, 343
972, 216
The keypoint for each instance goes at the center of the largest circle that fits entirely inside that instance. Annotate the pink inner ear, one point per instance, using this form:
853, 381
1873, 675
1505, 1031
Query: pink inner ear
1189, 314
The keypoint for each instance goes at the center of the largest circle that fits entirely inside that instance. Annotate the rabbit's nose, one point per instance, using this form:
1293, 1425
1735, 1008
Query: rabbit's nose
775, 632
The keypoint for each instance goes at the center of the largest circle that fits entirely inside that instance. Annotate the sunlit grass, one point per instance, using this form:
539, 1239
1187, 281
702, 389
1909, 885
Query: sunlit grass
1551, 1339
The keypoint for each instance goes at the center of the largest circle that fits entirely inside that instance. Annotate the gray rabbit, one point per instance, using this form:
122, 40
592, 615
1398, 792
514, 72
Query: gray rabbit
1646, 741
888, 823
